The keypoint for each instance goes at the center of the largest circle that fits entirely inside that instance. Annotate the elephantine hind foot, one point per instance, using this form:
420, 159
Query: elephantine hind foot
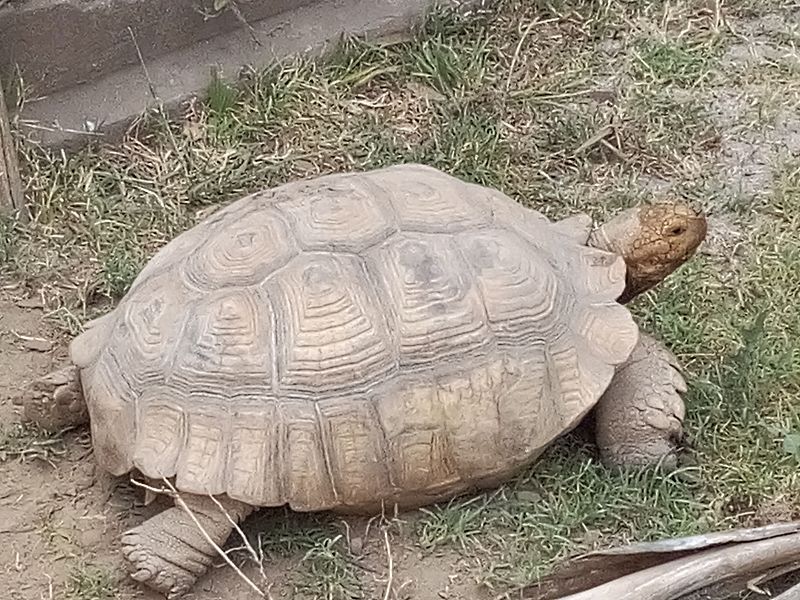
56, 400
639, 419
169, 552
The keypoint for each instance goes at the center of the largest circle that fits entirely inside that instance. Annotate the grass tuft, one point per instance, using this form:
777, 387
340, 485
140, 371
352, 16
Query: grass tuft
91, 583
667, 62
25, 441
325, 569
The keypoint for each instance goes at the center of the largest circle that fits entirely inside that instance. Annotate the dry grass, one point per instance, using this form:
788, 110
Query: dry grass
564, 106
26, 441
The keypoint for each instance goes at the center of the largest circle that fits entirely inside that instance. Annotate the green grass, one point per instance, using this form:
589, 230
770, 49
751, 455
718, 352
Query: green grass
91, 583
327, 571
565, 106
556, 510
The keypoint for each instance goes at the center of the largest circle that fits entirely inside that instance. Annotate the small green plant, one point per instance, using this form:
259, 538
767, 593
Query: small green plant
121, 265
326, 571
221, 101
91, 583
670, 62
221, 96
329, 573
449, 69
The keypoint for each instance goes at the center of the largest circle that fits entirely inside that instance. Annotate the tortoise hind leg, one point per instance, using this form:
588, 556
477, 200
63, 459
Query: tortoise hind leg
639, 419
169, 552
56, 400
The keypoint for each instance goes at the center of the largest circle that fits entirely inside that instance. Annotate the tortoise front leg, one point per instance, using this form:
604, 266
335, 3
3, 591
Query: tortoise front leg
639, 419
169, 552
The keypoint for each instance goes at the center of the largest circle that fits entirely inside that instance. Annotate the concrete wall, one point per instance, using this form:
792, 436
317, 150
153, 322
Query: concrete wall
85, 78
61, 43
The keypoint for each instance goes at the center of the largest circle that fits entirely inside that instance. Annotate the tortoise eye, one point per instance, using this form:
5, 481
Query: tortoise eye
677, 230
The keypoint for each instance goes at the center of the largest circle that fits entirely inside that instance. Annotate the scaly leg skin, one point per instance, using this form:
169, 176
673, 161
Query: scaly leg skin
639, 419
169, 552
56, 400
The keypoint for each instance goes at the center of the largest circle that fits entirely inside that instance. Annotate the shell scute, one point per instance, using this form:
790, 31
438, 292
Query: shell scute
339, 213
201, 466
226, 345
307, 475
256, 462
332, 335
241, 253
429, 293
525, 299
429, 201
355, 448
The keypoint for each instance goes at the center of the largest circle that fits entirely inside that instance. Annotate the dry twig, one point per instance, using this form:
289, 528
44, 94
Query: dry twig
390, 576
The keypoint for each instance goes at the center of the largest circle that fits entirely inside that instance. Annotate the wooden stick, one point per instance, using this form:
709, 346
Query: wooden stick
12, 201
792, 593
677, 578
599, 567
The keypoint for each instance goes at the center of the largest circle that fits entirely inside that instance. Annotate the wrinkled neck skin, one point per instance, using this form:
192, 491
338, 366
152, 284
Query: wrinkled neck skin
654, 240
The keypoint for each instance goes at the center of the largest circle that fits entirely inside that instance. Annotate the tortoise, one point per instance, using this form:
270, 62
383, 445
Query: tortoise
360, 340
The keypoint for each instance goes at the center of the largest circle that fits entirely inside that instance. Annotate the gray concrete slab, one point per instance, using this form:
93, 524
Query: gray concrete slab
55, 44
107, 105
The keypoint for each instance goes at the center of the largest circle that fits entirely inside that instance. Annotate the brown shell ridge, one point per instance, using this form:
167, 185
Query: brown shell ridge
188, 241
597, 279
343, 224
243, 252
112, 418
203, 460
604, 331
607, 327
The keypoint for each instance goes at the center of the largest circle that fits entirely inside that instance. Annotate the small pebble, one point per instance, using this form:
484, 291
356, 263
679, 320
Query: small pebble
356, 545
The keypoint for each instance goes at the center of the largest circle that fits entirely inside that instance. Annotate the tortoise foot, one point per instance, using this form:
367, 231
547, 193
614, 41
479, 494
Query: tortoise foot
161, 562
639, 419
170, 551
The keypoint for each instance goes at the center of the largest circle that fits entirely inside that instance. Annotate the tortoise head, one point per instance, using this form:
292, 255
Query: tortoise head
654, 240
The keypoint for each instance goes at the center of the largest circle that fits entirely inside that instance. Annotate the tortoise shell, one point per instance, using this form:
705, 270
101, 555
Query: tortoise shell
394, 336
